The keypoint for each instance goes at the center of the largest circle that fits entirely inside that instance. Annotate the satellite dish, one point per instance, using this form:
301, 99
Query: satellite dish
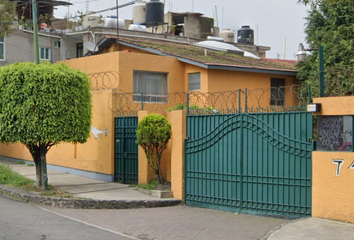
90, 46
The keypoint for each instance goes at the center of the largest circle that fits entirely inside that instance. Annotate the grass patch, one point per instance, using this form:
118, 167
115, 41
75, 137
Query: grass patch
149, 186
30, 165
11, 178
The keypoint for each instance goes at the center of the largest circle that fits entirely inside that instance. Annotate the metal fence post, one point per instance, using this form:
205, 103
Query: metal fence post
245, 99
142, 101
310, 97
187, 103
321, 63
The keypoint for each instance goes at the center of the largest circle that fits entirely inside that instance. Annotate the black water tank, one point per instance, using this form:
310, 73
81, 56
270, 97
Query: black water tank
154, 12
245, 35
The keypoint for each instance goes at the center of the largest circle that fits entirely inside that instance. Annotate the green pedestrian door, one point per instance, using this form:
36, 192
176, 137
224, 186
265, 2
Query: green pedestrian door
126, 150
258, 163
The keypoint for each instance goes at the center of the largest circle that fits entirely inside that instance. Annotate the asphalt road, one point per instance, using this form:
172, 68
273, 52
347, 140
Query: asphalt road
22, 221
177, 223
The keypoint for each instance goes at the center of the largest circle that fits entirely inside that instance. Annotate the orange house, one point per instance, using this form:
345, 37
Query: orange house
159, 69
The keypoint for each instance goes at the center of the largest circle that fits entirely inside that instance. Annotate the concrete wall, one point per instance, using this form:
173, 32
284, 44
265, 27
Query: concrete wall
333, 193
19, 47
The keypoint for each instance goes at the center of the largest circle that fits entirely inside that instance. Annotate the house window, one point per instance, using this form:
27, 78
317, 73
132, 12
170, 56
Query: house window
153, 85
193, 81
57, 44
79, 50
44, 54
277, 91
2, 49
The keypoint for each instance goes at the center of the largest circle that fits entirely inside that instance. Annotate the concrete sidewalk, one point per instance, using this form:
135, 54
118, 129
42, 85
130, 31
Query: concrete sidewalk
314, 229
84, 187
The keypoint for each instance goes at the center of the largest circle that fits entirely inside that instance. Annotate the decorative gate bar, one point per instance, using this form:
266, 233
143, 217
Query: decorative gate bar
126, 150
257, 163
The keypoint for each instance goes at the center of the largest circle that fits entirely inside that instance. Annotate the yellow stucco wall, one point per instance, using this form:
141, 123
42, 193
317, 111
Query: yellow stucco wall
97, 155
336, 105
178, 122
332, 195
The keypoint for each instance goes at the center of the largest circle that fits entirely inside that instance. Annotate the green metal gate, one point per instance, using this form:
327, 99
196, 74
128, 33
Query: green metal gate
258, 163
126, 150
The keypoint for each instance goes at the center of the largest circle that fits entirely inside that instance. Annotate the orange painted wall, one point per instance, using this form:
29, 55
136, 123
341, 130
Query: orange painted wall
332, 196
223, 80
96, 155
336, 105
178, 122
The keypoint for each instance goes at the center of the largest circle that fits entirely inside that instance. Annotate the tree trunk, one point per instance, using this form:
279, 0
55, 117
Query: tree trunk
43, 160
38, 173
160, 174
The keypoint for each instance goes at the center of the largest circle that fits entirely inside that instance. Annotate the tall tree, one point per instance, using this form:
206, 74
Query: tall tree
43, 105
7, 14
330, 24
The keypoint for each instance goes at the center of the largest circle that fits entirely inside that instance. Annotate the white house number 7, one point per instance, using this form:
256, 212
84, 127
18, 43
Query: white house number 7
339, 163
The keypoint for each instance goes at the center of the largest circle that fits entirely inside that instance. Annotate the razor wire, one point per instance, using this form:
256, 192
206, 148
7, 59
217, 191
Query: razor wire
104, 80
242, 100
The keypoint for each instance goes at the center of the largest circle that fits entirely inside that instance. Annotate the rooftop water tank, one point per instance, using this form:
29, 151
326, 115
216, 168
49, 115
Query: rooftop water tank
111, 22
227, 35
137, 27
154, 12
91, 20
140, 12
245, 35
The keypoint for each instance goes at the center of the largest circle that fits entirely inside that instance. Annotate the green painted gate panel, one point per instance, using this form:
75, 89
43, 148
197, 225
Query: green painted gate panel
250, 163
126, 150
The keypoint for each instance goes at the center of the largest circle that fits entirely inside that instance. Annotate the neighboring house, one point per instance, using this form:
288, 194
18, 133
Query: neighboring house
19, 47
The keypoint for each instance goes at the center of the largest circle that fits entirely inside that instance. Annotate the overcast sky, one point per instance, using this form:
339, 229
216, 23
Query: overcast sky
277, 23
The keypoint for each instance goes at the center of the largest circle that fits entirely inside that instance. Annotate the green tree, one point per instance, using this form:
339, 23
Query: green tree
316, 2
330, 24
43, 105
153, 134
7, 14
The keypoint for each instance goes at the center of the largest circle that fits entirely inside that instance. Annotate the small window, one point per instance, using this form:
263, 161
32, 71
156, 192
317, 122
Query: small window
335, 133
2, 49
193, 81
44, 54
153, 85
277, 91
57, 44
79, 50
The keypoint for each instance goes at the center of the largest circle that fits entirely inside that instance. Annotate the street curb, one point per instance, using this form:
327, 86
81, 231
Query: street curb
35, 198
275, 229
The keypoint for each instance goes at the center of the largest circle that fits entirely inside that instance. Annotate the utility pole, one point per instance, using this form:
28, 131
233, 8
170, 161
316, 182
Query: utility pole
35, 30
117, 26
36, 51
321, 68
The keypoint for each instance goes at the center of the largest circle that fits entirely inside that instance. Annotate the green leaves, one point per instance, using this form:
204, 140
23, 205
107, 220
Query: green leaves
153, 129
330, 24
153, 134
44, 104
7, 14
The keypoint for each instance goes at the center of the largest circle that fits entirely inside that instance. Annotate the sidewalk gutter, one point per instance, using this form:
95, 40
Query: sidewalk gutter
35, 198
